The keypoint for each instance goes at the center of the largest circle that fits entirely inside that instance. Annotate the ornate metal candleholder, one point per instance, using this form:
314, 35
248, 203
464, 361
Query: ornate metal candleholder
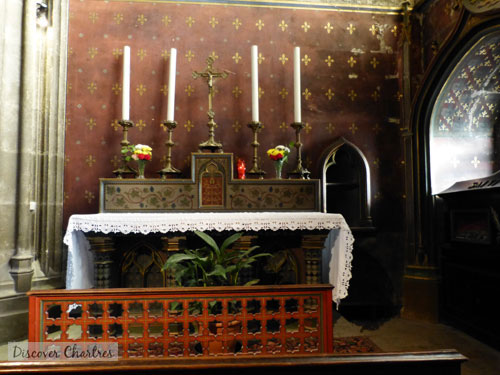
169, 168
299, 171
210, 76
124, 168
255, 171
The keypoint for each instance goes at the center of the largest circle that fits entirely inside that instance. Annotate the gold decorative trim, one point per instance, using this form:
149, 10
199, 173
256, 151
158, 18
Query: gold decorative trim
339, 6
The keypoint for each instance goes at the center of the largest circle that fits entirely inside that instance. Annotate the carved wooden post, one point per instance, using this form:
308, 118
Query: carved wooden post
105, 267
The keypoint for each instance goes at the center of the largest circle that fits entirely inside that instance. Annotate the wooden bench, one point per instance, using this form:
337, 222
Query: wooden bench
436, 362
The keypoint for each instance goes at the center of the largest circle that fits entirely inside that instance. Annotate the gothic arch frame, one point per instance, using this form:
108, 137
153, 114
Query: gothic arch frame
461, 40
328, 159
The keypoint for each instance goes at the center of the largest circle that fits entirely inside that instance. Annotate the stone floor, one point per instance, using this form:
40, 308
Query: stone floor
399, 335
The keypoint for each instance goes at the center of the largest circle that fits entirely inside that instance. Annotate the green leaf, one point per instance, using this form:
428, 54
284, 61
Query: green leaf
218, 271
177, 258
209, 240
230, 240
251, 282
231, 268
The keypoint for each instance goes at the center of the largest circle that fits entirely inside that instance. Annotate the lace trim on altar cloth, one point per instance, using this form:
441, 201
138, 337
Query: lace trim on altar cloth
80, 258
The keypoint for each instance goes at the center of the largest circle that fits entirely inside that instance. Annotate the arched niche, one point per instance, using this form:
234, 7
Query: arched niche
345, 175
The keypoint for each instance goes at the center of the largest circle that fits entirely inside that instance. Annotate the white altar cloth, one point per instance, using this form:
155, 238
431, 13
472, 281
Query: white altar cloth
80, 260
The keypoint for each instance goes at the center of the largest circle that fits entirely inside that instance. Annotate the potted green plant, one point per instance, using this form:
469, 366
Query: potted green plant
212, 265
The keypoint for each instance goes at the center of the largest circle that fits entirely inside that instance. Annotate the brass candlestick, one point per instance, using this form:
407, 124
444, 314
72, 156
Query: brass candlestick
299, 171
210, 76
169, 168
124, 168
255, 171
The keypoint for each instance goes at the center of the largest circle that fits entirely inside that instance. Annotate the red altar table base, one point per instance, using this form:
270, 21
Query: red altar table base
189, 322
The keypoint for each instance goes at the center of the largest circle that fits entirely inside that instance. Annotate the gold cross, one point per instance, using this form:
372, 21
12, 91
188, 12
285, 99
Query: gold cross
210, 76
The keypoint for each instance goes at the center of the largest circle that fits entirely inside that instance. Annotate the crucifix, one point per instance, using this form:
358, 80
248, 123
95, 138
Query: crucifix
210, 75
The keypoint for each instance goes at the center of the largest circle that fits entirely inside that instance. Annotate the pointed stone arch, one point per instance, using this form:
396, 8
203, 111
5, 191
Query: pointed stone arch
345, 176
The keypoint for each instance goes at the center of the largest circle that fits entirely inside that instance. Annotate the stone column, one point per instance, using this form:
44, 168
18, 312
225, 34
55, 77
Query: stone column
420, 281
21, 268
32, 96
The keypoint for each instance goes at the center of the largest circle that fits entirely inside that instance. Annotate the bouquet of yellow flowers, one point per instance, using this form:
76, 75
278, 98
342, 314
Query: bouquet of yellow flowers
141, 154
279, 155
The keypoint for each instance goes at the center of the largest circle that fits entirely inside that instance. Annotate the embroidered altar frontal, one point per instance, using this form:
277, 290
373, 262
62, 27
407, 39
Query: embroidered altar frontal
211, 188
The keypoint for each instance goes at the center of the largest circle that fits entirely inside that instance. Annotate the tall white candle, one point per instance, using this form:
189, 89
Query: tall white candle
171, 85
255, 85
296, 85
126, 84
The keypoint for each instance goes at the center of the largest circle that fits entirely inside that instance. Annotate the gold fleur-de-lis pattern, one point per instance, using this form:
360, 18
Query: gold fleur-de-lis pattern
236, 126
237, 23
189, 55
306, 60
189, 90
237, 92
117, 52
91, 123
283, 59
166, 20
236, 58
116, 89
164, 89
213, 22
118, 18
92, 52
214, 55
343, 83
329, 61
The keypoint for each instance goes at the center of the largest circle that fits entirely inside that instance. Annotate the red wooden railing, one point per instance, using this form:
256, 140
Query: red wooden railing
189, 322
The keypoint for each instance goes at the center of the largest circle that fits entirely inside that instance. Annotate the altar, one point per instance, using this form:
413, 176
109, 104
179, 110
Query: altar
333, 265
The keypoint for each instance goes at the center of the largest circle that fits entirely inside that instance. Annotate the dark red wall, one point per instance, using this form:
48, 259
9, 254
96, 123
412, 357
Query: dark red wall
98, 31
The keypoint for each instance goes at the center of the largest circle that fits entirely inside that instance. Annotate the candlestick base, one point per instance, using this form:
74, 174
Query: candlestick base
256, 171
256, 174
124, 168
123, 171
211, 145
169, 169
299, 172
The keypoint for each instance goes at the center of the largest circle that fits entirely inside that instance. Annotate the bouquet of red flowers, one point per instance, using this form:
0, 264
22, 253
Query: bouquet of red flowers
140, 153
279, 155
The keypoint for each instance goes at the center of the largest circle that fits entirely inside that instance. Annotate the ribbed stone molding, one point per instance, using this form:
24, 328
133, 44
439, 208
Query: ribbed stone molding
32, 104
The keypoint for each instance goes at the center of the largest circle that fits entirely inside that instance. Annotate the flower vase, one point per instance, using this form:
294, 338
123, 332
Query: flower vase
141, 166
278, 166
